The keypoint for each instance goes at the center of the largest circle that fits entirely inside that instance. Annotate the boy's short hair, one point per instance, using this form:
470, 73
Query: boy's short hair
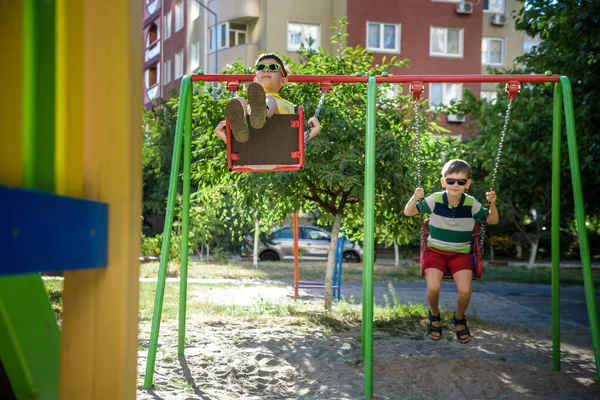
274, 57
456, 166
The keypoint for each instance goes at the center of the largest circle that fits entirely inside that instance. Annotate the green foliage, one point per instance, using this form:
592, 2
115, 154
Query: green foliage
157, 153
570, 33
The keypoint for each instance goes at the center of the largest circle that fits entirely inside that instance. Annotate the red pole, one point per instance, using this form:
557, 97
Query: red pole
296, 265
331, 79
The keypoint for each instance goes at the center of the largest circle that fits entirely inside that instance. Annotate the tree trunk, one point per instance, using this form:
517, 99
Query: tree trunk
519, 250
201, 251
396, 255
533, 254
255, 252
335, 231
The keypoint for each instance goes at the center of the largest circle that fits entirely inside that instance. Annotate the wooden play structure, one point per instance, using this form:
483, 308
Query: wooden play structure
70, 189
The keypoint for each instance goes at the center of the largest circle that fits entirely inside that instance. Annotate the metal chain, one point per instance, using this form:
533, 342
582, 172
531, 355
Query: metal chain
496, 166
418, 144
319, 107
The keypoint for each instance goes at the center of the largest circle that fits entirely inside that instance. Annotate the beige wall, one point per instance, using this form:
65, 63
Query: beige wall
275, 14
513, 39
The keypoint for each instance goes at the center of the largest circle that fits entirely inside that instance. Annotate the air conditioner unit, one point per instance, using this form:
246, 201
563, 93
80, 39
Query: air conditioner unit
499, 19
454, 118
464, 7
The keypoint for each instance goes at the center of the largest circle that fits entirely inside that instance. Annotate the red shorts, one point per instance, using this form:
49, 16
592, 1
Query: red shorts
447, 262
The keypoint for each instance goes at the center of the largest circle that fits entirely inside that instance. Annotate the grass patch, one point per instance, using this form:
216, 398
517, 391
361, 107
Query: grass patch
536, 275
405, 272
284, 270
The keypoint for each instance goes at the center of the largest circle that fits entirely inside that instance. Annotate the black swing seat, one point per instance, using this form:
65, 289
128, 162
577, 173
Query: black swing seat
476, 255
277, 146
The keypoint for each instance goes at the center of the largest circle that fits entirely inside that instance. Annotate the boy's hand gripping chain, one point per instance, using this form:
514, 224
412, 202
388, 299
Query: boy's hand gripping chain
325, 87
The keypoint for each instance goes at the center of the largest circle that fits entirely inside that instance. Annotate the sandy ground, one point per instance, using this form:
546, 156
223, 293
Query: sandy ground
509, 358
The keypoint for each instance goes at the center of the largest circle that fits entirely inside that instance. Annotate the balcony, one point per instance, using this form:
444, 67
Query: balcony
247, 54
235, 10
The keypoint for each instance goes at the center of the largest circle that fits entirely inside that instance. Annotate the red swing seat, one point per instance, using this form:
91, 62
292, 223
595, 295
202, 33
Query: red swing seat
476, 256
277, 146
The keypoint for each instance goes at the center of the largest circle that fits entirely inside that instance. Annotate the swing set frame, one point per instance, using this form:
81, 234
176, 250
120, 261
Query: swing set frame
563, 100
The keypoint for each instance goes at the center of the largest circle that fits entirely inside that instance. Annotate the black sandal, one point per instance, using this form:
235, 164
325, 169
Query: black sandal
431, 328
462, 332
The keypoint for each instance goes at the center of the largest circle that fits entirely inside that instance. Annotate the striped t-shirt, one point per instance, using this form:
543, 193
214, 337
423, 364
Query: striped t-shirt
283, 106
450, 227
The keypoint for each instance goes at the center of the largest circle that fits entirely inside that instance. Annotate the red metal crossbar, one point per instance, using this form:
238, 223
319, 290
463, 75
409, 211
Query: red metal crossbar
331, 79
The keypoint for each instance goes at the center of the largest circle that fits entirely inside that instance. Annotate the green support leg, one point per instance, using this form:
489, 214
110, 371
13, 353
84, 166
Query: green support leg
580, 218
369, 248
185, 221
166, 244
556, 139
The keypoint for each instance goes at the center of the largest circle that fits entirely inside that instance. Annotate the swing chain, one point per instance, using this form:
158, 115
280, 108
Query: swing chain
496, 166
317, 112
418, 144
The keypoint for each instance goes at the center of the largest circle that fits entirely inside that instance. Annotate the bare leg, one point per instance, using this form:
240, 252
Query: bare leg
464, 283
434, 277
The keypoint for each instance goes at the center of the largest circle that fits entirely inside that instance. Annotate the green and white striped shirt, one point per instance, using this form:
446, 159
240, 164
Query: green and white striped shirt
451, 228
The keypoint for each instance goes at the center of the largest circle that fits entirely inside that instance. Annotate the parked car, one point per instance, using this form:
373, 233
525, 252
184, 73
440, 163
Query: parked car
313, 244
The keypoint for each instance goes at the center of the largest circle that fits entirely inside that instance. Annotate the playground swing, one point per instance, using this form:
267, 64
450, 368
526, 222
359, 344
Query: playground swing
478, 236
277, 146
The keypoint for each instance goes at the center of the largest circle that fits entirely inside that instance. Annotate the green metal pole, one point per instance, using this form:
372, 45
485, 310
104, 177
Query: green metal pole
29, 333
369, 251
584, 250
185, 221
39, 94
166, 244
556, 139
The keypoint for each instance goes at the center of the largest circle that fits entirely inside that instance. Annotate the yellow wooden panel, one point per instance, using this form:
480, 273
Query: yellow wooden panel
11, 102
103, 344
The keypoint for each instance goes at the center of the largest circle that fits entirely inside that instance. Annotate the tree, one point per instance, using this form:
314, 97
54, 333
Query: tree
524, 179
569, 30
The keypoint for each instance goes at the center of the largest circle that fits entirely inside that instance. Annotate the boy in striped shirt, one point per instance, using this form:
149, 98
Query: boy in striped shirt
452, 215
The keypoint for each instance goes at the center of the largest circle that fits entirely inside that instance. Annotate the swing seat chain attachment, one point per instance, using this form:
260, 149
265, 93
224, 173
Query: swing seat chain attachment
513, 88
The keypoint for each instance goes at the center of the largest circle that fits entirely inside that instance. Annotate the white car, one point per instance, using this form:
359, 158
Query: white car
313, 244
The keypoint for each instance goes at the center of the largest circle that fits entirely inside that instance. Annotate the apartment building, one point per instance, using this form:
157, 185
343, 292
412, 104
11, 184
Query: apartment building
437, 36
440, 37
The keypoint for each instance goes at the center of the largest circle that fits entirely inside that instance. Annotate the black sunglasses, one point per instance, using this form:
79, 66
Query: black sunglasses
270, 67
452, 181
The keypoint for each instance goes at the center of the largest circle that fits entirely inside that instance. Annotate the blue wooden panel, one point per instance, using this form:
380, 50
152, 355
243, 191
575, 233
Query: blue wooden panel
43, 232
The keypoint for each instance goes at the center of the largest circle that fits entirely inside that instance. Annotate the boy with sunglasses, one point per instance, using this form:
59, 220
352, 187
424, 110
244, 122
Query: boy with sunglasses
452, 215
263, 102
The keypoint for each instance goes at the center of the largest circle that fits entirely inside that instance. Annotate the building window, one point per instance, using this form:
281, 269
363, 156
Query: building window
446, 42
494, 6
167, 25
442, 94
194, 9
178, 64
151, 76
167, 72
179, 16
492, 52
152, 35
226, 35
237, 34
383, 37
195, 56
489, 96
307, 35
